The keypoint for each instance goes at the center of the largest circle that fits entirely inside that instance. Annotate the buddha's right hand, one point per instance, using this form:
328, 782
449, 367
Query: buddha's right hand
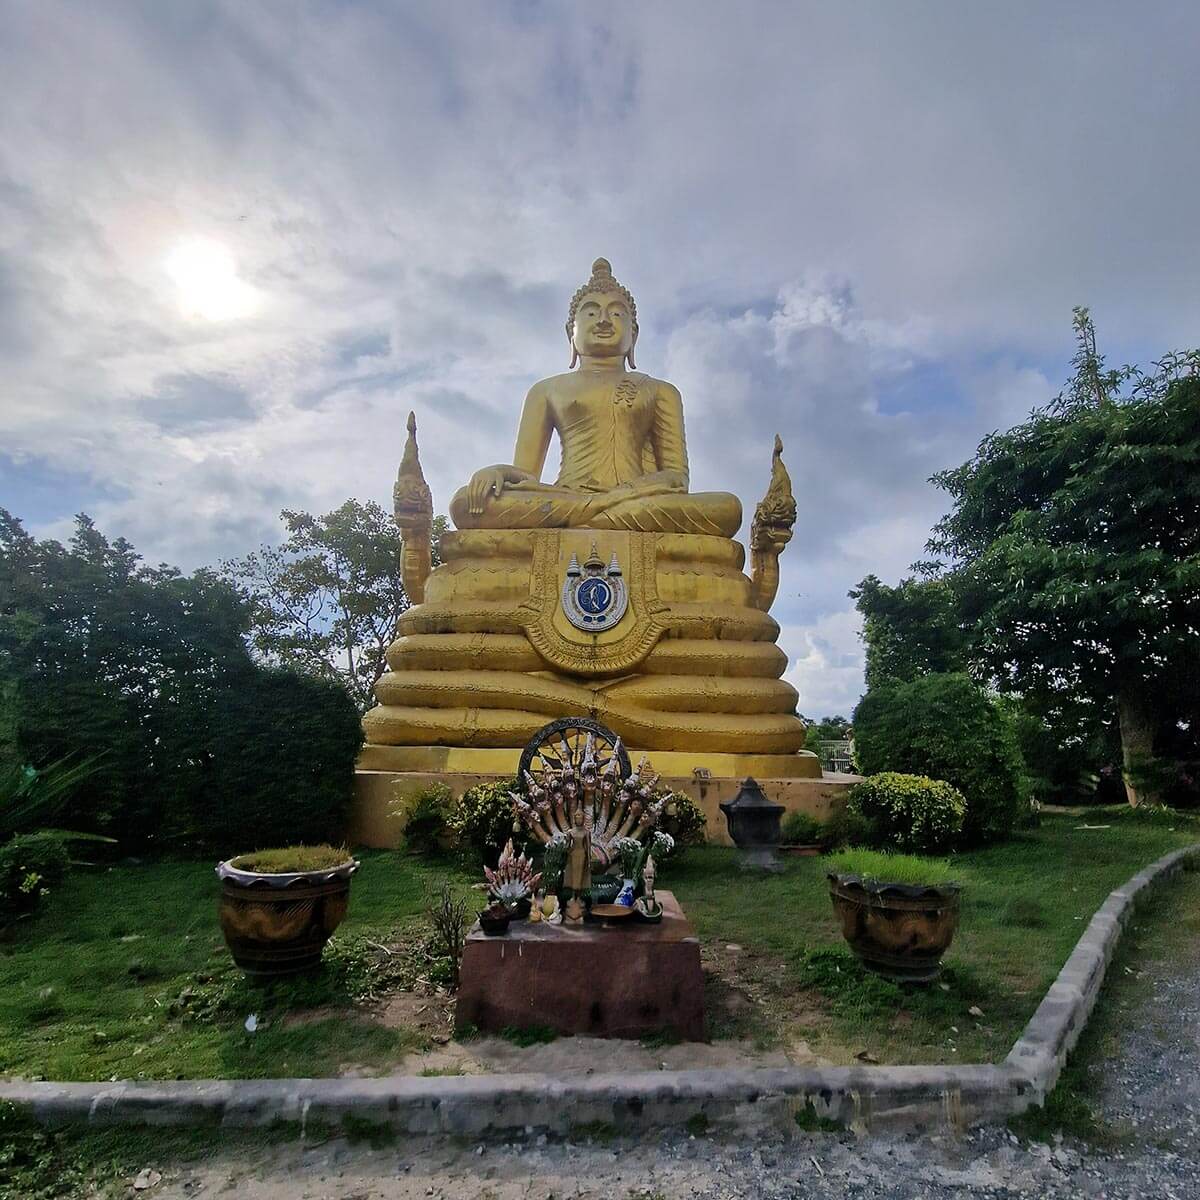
490, 481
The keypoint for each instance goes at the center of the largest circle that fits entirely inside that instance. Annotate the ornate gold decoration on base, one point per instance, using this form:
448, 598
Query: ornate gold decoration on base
564, 645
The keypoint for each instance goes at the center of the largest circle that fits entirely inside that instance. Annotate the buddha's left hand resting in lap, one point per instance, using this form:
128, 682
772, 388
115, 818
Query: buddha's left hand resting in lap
624, 453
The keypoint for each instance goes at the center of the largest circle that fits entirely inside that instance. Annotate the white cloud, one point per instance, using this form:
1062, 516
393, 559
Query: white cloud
861, 227
827, 666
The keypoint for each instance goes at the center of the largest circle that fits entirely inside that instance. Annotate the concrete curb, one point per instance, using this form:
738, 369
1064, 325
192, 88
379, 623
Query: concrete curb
862, 1098
1041, 1051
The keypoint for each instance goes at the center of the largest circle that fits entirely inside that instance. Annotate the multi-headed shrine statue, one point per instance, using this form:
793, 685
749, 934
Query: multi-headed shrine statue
612, 592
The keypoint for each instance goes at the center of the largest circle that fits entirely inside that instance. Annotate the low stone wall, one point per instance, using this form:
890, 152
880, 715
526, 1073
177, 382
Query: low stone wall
863, 1098
374, 792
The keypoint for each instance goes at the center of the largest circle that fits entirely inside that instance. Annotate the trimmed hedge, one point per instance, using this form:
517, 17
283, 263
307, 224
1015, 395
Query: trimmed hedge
271, 764
910, 812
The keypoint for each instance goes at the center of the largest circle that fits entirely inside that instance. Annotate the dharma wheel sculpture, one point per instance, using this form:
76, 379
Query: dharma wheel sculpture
576, 764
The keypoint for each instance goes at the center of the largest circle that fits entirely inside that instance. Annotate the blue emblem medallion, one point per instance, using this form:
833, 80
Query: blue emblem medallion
594, 597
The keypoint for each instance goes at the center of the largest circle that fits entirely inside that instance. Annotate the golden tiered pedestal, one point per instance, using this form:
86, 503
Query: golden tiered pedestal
690, 675
692, 669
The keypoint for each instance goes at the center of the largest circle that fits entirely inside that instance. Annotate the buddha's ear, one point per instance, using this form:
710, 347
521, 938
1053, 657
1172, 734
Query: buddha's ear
629, 356
574, 352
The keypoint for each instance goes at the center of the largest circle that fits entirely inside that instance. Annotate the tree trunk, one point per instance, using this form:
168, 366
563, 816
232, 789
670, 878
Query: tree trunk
1137, 748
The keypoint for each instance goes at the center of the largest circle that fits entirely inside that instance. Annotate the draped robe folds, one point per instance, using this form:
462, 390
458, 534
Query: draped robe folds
614, 445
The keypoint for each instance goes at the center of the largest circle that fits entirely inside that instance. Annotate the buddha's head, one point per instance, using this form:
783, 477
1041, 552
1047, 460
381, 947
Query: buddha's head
602, 322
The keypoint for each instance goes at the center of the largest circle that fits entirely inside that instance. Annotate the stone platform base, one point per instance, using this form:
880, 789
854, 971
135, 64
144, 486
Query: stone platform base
625, 981
375, 792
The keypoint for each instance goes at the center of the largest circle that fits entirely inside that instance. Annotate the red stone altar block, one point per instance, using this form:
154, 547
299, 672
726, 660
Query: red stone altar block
624, 980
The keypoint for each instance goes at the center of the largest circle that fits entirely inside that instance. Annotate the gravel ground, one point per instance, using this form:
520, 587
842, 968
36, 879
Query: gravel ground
1146, 1084
985, 1163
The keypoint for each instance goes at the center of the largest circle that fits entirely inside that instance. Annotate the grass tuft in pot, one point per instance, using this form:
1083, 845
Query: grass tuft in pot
292, 859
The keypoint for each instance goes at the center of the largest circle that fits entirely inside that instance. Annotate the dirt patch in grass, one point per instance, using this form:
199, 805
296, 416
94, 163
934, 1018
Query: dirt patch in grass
431, 1014
755, 997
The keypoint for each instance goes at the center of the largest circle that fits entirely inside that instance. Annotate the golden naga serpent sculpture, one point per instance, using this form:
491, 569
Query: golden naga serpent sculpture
561, 783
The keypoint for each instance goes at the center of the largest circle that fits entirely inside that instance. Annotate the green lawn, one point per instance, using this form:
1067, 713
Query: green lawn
124, 974
1025, 904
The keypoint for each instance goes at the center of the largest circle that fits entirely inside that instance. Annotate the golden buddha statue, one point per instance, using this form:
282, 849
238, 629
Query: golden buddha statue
624, 453
613, 592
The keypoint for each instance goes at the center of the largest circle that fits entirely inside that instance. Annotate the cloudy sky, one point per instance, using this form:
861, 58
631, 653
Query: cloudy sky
239, 241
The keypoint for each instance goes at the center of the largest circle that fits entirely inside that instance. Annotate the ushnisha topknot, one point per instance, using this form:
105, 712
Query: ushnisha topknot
602, 281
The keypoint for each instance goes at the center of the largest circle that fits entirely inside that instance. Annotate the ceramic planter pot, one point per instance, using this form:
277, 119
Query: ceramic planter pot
896, 930
278, 924
494, 919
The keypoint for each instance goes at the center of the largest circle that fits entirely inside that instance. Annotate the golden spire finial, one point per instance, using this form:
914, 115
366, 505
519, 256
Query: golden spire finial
413, 503
410, 462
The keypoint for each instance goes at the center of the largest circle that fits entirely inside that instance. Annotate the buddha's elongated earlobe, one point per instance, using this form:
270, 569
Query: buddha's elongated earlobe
574, 357
629, 356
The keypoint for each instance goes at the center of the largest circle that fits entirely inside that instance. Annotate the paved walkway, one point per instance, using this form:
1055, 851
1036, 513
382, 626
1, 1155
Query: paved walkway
1145, 1056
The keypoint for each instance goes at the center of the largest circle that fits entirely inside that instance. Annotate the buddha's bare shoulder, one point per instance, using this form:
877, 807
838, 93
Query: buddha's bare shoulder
552, 383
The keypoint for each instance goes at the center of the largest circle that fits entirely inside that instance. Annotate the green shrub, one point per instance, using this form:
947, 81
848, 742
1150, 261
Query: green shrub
482, 820
910, 812
147, 675
799, 829
946, 727
423, 816
846, 828
874, 866
684, 820
31, 864
278, 754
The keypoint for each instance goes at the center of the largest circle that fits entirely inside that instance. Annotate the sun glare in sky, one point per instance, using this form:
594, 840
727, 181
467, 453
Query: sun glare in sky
206, 275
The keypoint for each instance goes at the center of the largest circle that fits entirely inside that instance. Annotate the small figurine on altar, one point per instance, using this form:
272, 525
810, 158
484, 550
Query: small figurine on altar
646, 905
647, 902
577, 876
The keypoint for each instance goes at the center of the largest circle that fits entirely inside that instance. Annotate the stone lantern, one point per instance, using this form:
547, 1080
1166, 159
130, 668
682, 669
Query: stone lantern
754, 825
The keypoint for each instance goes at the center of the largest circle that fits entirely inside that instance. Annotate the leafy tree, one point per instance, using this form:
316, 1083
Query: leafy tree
146, 673
1075, 549
912, 629
919, 628
327, 600
827, 729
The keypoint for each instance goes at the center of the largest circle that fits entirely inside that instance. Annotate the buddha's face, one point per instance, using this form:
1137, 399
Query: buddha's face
603, 326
